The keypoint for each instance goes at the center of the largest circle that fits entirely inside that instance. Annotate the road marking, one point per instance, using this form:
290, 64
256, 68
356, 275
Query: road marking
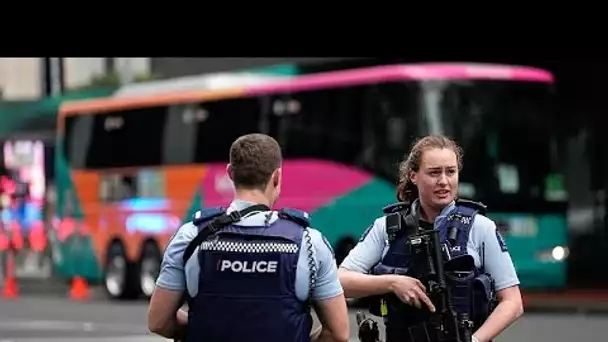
24, 325
138, 338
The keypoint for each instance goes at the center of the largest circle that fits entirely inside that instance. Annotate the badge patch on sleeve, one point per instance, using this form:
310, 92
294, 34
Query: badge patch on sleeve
328, 244
365, 233
173, 236
501, 242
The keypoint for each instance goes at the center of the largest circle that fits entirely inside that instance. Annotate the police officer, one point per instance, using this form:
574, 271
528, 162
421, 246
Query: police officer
249, 273
381, 264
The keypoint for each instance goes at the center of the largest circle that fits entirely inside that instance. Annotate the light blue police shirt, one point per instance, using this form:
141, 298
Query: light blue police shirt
173, 276
373, 245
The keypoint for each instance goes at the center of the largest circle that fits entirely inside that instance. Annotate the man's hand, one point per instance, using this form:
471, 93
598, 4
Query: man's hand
411, 291
182, 317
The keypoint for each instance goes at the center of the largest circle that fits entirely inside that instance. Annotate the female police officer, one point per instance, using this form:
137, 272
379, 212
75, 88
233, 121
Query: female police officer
428, 179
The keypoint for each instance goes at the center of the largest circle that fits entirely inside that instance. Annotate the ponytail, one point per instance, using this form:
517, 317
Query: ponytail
407, 191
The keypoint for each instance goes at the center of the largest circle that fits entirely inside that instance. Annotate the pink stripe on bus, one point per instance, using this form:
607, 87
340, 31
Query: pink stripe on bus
407, 72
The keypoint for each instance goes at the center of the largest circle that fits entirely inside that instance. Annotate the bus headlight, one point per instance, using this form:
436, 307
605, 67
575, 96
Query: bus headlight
556, 254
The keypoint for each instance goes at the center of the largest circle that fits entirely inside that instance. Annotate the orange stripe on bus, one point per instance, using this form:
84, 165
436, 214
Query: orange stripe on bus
100, 105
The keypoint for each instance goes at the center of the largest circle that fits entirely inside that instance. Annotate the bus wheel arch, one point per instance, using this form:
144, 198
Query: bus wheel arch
148, 267
119, 276
343, 247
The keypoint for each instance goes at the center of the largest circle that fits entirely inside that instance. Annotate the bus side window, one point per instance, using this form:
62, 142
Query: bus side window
180, 134
116, 187
122, 138
219, 123
322, 124
390, 124
77, 140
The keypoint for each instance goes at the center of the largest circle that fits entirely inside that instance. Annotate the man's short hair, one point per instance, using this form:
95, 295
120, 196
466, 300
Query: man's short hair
253, 159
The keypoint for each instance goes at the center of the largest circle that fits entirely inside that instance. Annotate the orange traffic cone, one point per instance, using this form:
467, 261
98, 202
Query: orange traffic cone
79, 289
10, 289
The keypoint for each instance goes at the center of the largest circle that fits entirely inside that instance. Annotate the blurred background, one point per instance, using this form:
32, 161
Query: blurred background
103, 158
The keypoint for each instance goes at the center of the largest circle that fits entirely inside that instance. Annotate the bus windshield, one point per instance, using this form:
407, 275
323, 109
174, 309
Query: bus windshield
510, 148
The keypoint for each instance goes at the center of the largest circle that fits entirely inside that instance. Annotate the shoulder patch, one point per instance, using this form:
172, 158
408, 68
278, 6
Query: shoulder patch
206, 214
327, 244
366, 232
501, 242
173, 236
395, 207
175, 233
480, 207
298, 216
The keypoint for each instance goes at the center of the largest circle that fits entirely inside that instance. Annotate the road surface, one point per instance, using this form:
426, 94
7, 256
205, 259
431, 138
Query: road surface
43, 319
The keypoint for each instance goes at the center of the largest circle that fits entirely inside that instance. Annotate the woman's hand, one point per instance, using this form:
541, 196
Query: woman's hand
411, 291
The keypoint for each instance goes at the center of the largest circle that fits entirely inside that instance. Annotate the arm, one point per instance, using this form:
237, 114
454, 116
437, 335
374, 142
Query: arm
327, 295
367, 253
500, 266
164, 316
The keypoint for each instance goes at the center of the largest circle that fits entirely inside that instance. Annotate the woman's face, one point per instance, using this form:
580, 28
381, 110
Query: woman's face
437, 178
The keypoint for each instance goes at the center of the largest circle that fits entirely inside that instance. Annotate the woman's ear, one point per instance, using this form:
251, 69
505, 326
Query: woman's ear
414, 177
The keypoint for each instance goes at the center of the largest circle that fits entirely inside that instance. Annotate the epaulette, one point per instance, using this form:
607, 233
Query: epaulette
396, 207
206, 214
481, 208
298, 216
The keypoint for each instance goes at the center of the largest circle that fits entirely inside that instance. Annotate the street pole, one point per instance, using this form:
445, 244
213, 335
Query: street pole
53, 76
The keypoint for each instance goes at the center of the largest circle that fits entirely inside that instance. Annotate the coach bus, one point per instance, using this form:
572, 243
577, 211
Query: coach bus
132, 170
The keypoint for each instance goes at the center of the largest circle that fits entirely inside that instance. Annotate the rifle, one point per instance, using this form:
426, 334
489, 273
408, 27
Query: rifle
447, 323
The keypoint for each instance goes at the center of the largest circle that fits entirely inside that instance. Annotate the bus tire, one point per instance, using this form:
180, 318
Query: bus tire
149, 267
343, 247
120, 281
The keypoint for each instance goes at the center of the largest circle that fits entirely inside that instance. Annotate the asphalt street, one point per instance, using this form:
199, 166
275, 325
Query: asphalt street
43, 319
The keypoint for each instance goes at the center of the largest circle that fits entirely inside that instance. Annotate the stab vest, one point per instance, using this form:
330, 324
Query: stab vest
246, 286
471, 289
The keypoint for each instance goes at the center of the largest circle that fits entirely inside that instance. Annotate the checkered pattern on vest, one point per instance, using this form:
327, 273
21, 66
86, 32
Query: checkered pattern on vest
249, 247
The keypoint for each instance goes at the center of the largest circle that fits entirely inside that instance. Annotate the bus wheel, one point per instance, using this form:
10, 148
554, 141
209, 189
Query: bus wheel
343, 247
149, 267
118, 273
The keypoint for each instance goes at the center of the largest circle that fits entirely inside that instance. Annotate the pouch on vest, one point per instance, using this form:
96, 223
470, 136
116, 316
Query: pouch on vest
484, 298
460, 274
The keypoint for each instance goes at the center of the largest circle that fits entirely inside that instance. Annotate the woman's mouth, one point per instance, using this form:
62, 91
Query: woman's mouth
442, 193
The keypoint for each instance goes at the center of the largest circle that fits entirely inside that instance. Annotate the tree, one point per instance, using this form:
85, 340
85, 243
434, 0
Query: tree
112, 80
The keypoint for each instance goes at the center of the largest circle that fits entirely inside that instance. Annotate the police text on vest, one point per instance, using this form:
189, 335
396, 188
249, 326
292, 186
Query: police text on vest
249, 266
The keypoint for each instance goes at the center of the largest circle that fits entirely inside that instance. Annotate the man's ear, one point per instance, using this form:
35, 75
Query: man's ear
229, 171
276, 177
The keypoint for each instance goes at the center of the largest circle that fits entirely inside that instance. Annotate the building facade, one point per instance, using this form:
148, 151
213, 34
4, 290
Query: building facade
33, 78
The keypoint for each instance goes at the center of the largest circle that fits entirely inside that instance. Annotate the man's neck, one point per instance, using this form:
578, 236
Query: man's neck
252, 196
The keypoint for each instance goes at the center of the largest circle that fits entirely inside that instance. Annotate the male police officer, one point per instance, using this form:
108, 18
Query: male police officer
250, 274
